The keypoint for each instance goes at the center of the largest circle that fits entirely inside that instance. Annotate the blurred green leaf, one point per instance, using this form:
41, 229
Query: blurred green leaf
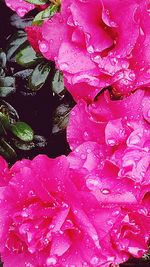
40, 141
23, 131
6, 150
37, 2
60, 118
20, 23
8, 110
58, 83
46, 13
7, 86
39, 76
26, 146
4, 119
3, 59
16, 42
27, 57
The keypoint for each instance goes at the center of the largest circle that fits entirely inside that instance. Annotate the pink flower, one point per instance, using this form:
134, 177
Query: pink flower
20, 7
4, 172
122, 129
97, 46
46, 220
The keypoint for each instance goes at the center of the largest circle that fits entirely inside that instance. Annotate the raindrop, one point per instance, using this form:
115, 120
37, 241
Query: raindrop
83, 156
134, 140
105, 191
111, 142
64, 66
92, 184
43, 46
21, 11
51, 261
90, 49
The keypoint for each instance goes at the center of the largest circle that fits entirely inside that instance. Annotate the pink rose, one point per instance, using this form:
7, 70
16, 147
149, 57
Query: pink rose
4, 172
121, 128
97, 46
20, 7
46, 220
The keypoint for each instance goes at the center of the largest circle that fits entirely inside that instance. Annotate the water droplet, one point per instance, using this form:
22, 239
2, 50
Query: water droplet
21, 11
105, 191
134, 140
111, 142
83, 156
51, 261
90, 49
31, 249
94, 260
43, 46
97, 60
92, 183
64, 66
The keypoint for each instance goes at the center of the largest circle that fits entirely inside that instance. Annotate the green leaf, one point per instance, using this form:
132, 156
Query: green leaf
16, 42
2, 59
8, 110
4, 119
47, 13
26, 146
27, 57
20, 23
60, 118
6, 150
23, 131
7, 86
40, 141
58, 83
39, 76
37, 2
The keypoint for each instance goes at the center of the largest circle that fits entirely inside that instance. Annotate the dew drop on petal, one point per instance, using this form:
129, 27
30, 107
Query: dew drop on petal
64, 66
105, 191
134, 140
92, 184
43, 46
51, 261
83, 156
21, 11
111, 142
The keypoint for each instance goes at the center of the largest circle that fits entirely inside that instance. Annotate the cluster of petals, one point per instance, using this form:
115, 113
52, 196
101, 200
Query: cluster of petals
73, 211
99, 43
121, 127
92, 207
22, 7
